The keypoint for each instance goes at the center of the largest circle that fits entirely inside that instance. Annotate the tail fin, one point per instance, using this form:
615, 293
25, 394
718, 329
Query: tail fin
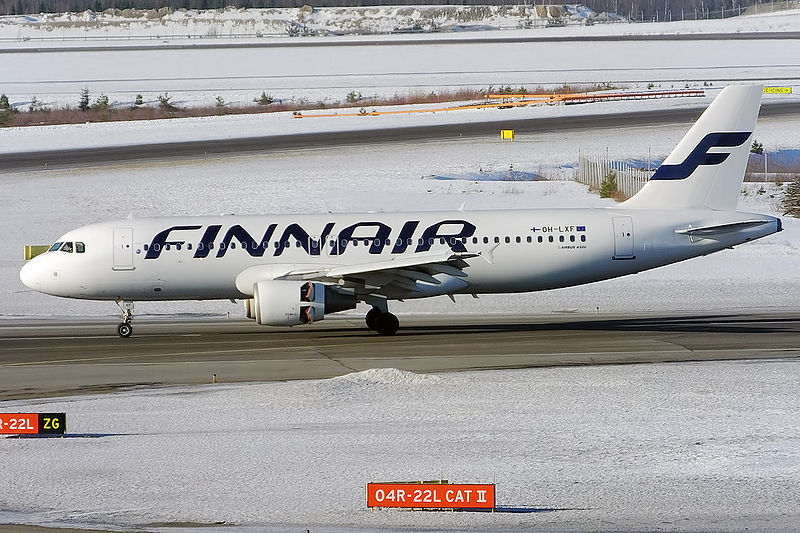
707, 167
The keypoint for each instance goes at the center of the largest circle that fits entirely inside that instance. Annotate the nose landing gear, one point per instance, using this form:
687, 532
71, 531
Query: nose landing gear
125, 329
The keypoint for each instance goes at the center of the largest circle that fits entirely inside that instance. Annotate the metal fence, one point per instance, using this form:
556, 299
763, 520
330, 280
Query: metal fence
592, 170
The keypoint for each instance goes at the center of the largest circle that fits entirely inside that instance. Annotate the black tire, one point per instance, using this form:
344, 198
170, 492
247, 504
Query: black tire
387, 324
372, 316
125, 330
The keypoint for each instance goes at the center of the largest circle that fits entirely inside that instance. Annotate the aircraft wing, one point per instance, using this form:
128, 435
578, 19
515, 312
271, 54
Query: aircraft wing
401, 273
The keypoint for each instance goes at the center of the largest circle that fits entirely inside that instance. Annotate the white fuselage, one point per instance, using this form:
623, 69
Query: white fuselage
185, 258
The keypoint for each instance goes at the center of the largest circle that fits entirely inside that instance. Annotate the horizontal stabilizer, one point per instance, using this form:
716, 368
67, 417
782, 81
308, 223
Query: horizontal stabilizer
705, 231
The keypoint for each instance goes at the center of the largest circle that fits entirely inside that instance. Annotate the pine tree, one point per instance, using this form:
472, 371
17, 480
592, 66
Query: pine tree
4, 102
264, 99
101, 103
791, 200
608, 187
83, 103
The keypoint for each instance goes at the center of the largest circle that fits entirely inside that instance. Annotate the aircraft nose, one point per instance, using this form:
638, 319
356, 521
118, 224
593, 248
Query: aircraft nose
30, 275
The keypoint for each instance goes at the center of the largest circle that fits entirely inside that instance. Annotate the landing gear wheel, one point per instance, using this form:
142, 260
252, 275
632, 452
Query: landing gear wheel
386, 324
125, 330
372, 316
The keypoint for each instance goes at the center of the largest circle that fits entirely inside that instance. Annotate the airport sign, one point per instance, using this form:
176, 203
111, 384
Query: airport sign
777, 90
431, 495
33, 423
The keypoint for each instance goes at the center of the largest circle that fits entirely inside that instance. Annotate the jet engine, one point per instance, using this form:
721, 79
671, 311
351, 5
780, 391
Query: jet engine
288, 303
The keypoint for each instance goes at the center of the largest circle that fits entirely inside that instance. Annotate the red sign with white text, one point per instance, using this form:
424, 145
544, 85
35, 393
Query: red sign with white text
18, 423
430, 495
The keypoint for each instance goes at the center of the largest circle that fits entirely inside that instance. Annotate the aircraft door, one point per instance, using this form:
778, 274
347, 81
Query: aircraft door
123, 249
623, 238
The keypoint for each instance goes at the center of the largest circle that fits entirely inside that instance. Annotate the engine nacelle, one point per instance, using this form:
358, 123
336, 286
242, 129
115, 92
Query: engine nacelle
288, 303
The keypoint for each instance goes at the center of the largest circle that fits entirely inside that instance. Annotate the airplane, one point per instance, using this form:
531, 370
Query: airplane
296, 269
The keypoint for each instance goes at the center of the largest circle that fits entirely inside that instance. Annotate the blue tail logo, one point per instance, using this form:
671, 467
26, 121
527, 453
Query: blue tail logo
700, 155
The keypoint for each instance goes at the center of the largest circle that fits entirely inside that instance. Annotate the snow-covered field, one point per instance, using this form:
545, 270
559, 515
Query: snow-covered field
327, 74
678, 447
245, 25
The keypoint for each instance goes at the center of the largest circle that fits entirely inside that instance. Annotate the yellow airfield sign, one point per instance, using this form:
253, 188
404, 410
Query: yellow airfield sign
777, 90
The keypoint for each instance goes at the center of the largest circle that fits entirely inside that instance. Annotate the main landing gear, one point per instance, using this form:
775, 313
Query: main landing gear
383, 322
125, 329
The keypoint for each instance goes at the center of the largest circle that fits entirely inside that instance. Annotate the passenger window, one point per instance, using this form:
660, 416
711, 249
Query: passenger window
583, 238
297, 244
518, 240
474, 240
560, 238
540, 239
530, 239
572, 238
486, 240
55, 247
496, 240
550, 238
166, 246
79, 247
178, 246
189, 246
507, 239
145, 247
232, 245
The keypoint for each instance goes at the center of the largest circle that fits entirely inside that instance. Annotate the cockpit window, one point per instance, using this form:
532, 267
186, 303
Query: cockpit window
79, 247
66, 247
55, 247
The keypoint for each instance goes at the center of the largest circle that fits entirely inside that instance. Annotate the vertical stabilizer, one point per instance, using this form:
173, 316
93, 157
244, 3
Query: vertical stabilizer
706, 169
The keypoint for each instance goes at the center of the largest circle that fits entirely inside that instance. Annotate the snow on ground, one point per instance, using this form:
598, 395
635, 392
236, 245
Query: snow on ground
245, 25
98, 134
327, 74
43, 205
679, 447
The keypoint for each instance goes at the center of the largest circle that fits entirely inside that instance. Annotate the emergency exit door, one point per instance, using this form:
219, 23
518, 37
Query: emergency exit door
623, 238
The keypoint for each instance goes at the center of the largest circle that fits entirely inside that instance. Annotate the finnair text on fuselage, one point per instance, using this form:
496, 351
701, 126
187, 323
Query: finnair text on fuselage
379, 235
